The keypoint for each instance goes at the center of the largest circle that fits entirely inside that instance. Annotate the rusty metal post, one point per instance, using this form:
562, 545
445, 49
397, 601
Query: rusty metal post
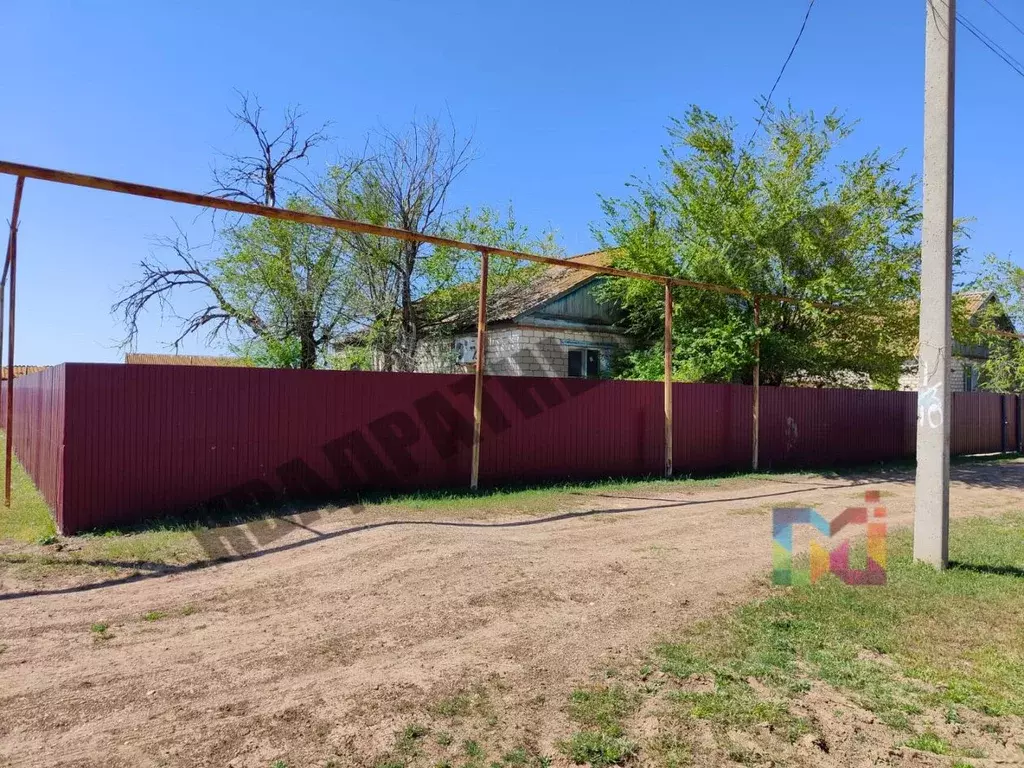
757, 384
12, 249
481, 362
668, 379
3, 294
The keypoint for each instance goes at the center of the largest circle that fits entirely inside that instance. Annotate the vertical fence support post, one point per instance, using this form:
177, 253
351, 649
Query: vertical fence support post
12, 255
756, 446
1002, 423
1020, 424
481, 361
668, 379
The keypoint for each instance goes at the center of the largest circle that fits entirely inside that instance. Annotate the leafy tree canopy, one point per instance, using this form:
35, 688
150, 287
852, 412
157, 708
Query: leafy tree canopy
1003, 370
782, 216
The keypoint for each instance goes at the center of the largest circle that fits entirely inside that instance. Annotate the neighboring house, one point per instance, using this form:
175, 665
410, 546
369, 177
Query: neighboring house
968, 359
144, 358
556, 325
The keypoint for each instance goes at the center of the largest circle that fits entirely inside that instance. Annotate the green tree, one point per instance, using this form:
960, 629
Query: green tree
277, 292
784, 217
407, 288
290, 295
1003, 370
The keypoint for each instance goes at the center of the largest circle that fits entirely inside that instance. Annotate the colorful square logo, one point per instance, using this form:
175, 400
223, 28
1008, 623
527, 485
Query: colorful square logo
837, 561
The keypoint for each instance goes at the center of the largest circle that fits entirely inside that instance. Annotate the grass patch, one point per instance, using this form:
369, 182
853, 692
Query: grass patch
407, 740
926, 641
930, 742
153, 616
601, 707
456, 705
601, 710
922, 623
598, 749
29, 519
101, 632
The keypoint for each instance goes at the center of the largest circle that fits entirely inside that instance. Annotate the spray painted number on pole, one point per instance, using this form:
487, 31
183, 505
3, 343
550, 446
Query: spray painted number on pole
929, 403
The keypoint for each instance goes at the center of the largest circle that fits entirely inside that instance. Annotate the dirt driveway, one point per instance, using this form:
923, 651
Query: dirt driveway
322, 648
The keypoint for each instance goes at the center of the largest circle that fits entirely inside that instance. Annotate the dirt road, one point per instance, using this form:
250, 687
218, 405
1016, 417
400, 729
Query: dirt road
320, 651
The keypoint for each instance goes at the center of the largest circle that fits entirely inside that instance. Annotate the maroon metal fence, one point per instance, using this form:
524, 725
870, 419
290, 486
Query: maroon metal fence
39, 436
114, 444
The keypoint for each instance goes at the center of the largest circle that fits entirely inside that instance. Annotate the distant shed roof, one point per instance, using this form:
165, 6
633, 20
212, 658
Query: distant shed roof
21, 370
145, 358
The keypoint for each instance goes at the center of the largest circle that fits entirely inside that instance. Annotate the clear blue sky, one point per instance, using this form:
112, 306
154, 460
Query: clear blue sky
565, 100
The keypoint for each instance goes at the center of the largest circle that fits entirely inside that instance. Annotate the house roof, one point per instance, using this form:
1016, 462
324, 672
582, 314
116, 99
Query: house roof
974, 300
515, 299
146, 358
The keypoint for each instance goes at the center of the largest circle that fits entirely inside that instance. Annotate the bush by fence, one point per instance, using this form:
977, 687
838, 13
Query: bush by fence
114, 444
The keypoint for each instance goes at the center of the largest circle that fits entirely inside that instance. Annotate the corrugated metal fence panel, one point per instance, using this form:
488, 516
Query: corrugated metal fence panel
39, 414
113, 444
547, 429
978, 423
148, 439
824, 427
711, 427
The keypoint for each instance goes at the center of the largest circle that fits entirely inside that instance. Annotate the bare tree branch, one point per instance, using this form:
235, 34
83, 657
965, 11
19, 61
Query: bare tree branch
255, 178
159, 281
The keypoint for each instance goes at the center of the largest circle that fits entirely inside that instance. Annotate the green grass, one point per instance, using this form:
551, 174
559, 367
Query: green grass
923, 622
29, 519
930, 742
601, 711
926, 641
598, 749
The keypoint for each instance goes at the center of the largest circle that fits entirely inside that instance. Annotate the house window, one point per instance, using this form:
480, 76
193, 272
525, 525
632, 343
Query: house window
585, 363
971, 378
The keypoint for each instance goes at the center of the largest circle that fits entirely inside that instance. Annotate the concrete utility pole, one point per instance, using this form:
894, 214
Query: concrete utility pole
931, 515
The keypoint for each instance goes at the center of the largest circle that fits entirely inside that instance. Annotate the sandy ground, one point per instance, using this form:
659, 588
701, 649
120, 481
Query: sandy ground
342, 632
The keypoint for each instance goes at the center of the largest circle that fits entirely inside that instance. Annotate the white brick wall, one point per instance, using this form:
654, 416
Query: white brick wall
909, 379
521, 351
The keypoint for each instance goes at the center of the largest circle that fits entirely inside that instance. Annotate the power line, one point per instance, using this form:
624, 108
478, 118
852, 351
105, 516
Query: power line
1005, 17
768, 101
991, 44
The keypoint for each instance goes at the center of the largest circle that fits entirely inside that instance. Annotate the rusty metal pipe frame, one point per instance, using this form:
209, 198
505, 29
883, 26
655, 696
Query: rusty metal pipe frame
668, 380
756, 436
348, 225
12, 273
478, 378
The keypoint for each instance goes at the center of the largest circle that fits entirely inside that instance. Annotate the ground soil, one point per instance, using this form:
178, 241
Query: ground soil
335, 633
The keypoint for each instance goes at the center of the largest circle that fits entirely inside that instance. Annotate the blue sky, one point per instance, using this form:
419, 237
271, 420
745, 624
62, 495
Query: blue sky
564, 100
